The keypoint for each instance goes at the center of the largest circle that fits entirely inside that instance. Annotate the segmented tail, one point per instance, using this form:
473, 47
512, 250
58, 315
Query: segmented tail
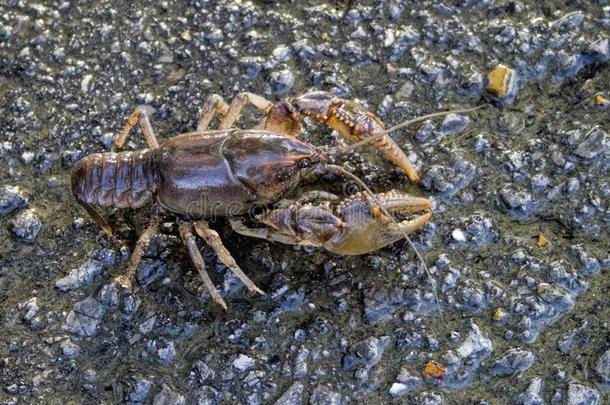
120, 180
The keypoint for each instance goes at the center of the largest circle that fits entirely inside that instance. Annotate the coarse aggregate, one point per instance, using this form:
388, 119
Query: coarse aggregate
515, 304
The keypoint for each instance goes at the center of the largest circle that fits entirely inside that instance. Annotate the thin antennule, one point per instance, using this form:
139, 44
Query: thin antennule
433, 115
340, 170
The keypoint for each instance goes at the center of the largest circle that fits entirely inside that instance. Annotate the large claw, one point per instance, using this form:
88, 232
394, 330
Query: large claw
353, 226
346, 117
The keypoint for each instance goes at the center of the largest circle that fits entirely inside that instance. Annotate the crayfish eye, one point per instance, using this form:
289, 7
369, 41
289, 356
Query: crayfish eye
305, 162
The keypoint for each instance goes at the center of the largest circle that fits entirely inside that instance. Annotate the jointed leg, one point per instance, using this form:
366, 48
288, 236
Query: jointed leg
188, 238
126, 280
313, 195
139, 116
266, 233
238, 104
211, 238
99, 220
212, 105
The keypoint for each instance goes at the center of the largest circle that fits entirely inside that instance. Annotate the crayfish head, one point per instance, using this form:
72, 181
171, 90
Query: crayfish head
269, 164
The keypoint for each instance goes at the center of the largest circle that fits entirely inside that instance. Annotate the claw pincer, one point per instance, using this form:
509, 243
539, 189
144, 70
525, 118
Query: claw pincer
353, 226
351, 120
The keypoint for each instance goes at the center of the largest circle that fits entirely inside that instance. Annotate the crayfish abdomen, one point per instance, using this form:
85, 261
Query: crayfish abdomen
121, 180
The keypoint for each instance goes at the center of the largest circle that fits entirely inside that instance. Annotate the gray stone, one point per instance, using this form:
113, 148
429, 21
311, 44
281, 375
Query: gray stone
365, 354
399, 389
602, 367
281, 53
31, 307
252, 67
292, 396
26, 225
588, 263
204, 372
282, 81
109, 295
70, 157
430, 398
513, 361
324, 395
206, 395
80, 277
595, 143
598, 51
11, 199
299, 369
380, 304
476, 347
458, 235
80, 324
150, 270
405, 383
90, 375
448, 180
454, 123
90, 307
69, 348
166, 354
569, 21
85, 318
243, 363
477, 230
533, 395
140, 391
582, 395
520, 203
146, 326
168, 397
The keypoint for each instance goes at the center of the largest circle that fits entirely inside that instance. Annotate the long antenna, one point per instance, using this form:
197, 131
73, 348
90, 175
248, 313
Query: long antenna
433, 115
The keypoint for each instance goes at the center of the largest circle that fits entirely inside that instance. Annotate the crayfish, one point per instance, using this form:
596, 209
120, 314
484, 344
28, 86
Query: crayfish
228, 171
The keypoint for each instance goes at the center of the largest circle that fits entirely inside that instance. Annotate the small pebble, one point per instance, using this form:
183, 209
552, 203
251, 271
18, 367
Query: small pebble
11, 199
282, 81
458, 235
140, 390
533, 395
69, 348
454, 123
502, 82
601, 102
292, 396
582, 395
167, 353
513, 361
168, 397
26, 225
602, 367
243, 363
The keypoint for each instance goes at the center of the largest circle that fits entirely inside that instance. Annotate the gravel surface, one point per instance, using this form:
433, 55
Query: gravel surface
518, 249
